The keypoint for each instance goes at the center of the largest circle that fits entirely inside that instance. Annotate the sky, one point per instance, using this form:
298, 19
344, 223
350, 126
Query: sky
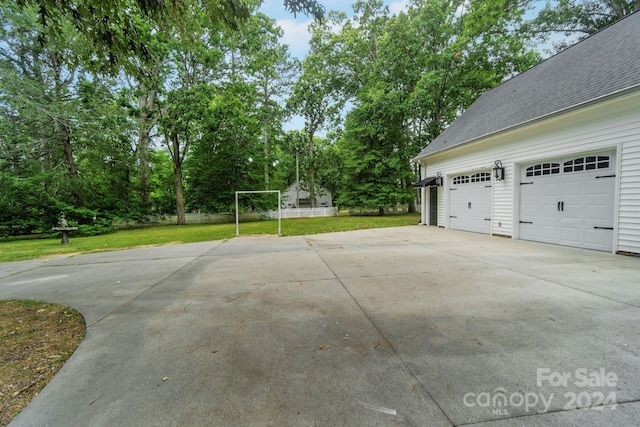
295, 28
297, 36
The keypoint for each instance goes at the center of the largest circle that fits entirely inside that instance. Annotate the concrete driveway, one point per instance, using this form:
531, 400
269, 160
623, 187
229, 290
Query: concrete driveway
399, 326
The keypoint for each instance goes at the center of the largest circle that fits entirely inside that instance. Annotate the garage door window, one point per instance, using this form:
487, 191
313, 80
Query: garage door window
462, 179
543, 169
481, 177
586, 163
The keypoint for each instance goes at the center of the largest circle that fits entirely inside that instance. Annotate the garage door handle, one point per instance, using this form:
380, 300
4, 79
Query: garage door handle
603, 228
562, 206
605, 176
526, 183
451, 216
487, 219
526, 222
558, 206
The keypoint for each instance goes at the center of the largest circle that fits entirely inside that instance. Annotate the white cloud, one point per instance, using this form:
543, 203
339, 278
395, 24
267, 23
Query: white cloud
296, 35
398, 6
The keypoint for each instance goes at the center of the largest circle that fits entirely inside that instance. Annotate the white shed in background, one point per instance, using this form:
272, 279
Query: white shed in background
292, 194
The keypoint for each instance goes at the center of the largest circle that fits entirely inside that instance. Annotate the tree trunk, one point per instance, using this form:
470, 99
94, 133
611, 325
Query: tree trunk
265, 140
312, 173
146, 105
67, 148
177, 179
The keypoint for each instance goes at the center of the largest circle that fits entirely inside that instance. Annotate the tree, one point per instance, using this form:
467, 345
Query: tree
161, 179
146, 80
287, 147
579, 18
105, 150
414, 74
272, 72
330, 165
111, 27
315, 96
374, 164
50, 110
224, 158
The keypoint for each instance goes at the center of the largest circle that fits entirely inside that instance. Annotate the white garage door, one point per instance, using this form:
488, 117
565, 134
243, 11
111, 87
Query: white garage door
470, 202
569, 202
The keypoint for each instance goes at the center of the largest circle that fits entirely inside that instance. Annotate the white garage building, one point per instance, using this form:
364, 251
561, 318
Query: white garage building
567, 135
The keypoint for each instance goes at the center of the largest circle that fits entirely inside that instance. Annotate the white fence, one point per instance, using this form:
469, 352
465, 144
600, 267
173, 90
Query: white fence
226, 218
391, 210
301, 213
191, 218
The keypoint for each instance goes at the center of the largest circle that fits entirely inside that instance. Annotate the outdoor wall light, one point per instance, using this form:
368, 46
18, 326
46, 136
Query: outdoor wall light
498, 171
439, 180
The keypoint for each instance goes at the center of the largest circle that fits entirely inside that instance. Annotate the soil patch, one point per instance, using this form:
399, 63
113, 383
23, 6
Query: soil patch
36, 339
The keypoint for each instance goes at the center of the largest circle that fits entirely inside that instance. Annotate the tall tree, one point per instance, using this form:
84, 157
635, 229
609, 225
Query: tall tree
415, 73
272, 72
146, 81
577, 18
66, 130
188, 96
112, 26
224, 159
315, 96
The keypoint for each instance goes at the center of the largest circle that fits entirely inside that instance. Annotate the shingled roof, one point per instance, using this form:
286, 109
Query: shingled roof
603, 65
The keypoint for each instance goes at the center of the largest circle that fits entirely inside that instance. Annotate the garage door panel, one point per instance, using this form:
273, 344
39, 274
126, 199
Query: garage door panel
549, 211
596, 212
573, 211
600, 186
571, 235
530, 190
594, 238
572, 187
533, 206
532, 212
530, 231
566, 204
527, 230
469, 224
550, 189
470, 203
549, 232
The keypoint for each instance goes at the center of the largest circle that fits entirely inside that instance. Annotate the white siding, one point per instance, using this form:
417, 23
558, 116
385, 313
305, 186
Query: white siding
443, 206
607, 126
629, 204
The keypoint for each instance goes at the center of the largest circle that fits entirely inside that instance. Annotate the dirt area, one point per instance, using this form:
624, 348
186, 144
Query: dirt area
36, 339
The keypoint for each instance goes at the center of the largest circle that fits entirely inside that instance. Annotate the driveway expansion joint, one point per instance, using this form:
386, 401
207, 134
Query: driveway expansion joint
388, 342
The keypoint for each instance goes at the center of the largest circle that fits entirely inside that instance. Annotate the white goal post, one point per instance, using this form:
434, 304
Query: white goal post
257, 191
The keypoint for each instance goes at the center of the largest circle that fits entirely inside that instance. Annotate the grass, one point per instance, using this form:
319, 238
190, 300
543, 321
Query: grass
36, 339
20, 250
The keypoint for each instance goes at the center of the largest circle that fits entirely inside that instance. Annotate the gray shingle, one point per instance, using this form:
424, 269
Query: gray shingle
603, 64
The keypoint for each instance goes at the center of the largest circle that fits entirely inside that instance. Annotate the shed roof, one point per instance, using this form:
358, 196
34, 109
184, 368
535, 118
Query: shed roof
603, 65
427, 182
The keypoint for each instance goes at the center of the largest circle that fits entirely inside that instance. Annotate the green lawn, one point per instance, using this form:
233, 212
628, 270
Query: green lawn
19, 250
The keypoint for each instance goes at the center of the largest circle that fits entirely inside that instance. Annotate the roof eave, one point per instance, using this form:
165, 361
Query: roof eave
556, 113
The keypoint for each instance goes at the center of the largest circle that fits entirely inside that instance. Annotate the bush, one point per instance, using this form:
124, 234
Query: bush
88, 221
99, 226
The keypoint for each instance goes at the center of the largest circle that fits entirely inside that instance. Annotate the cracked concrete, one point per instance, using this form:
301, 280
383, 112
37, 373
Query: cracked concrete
399, 326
